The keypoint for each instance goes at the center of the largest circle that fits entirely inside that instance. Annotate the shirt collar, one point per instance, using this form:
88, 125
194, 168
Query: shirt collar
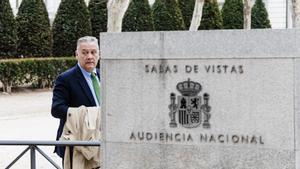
86, 73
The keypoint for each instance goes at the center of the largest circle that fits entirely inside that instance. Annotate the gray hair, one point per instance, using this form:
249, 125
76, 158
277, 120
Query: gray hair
88, 39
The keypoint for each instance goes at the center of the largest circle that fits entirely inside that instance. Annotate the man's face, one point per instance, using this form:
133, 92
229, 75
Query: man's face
88, 55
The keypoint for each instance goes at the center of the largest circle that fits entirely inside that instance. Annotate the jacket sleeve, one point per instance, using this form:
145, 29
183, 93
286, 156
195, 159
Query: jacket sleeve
60, 99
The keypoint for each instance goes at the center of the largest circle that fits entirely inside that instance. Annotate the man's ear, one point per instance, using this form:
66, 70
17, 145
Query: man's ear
76, 53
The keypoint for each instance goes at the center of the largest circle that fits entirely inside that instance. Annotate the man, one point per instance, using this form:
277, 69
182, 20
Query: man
76, 86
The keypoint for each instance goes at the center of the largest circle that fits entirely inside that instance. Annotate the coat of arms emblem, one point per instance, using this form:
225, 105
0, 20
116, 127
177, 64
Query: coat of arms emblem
192, 109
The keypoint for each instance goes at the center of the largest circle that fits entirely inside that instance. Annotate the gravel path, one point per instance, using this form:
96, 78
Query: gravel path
26, 116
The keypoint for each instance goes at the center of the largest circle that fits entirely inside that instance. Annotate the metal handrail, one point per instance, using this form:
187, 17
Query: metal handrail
49, 143
32, 146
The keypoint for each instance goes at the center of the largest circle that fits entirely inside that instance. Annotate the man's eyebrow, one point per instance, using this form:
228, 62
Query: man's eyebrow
87, 50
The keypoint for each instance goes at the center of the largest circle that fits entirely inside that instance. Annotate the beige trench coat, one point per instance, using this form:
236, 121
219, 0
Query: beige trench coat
82, 124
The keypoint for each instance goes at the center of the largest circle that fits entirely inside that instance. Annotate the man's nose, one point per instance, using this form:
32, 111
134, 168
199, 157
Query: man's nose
90, 55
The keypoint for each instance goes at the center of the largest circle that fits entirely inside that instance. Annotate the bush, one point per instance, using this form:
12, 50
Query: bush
138, 17
98, 13
211, 16
232, 13
71, 22
40, 72
8, 31
167, 16
259, 15
187, 10
33, 29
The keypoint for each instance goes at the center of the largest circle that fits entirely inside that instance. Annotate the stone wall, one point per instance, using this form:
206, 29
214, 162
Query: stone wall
207, 99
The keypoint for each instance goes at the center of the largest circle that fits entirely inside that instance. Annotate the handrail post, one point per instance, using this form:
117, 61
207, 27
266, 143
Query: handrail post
16, 159
32, 157
47, 157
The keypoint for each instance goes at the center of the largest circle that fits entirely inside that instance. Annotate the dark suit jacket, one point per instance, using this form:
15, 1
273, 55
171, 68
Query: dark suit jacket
70, 90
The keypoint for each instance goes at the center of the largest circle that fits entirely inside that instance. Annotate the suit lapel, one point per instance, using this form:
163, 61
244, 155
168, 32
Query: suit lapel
98, 73
84, 86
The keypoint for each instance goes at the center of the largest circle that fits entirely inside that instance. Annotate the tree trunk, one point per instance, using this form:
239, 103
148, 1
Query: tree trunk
197, 15
7, 87
296, 13
247, 14
115, 13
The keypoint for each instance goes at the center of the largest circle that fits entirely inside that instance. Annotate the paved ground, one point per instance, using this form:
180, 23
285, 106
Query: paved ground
26, 116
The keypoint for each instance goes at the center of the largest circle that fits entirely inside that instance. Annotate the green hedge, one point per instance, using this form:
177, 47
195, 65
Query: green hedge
138, 17
33, 29
167, 16
8, 31
39, 72
187, 10
98, 13
259, 16
211, 16
72, 21
232, 14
